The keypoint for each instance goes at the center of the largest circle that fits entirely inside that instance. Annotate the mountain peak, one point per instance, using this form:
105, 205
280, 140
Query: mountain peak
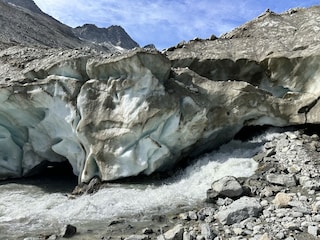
114, 34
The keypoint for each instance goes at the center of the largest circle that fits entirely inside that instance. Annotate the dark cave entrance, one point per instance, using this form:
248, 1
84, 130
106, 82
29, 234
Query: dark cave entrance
51, 177
54, 177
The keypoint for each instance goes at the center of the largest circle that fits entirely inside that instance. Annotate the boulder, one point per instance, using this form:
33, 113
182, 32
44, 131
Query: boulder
225, 187
282, 179
176, 233
239, 210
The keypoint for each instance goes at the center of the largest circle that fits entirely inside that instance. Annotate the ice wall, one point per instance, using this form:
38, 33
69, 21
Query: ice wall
131, 114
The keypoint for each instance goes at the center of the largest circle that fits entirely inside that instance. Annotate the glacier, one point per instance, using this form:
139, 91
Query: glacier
126, 115
117, 115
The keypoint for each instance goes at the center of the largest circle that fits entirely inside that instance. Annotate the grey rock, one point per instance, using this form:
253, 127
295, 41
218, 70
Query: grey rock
52, 237
282, 179
226, 187
189, 235
137, 237
114, 35
207, 232
239, 210
224, 201
313, 230
203, 213
300, 207
193, 215
176, 233
280, 235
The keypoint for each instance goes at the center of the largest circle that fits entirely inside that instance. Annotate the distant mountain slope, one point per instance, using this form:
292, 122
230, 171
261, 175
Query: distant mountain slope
27, 4
115, 35
33, 27
23, 22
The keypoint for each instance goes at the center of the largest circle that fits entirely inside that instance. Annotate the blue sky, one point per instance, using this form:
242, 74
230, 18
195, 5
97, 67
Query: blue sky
165, 22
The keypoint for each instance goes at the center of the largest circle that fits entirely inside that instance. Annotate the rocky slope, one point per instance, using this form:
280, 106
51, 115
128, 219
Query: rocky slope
24, 23
115, 116
114, 35
25, 4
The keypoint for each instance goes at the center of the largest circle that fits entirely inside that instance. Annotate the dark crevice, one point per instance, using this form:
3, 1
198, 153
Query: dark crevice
247, 133
306, 109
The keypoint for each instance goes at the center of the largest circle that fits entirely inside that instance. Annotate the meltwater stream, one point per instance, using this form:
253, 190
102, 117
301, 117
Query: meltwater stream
28, 209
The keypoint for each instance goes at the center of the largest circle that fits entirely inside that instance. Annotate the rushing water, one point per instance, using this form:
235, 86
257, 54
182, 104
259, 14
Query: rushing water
28, 208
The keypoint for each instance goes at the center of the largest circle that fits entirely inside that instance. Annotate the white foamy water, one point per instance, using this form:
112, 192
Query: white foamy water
26, 208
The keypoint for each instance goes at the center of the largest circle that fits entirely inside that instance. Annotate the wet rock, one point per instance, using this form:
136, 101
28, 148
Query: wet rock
239, 210
147, 231
68, 231
159, 218
225, 187
175, 233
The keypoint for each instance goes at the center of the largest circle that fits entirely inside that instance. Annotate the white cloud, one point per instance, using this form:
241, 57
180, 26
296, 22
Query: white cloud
162, 22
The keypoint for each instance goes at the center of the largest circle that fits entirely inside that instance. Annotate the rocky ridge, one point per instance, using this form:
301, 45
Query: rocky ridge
23, 23
114, 35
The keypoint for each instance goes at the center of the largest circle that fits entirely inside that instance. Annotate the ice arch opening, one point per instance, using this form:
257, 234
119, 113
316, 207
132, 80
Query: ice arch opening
37, 126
